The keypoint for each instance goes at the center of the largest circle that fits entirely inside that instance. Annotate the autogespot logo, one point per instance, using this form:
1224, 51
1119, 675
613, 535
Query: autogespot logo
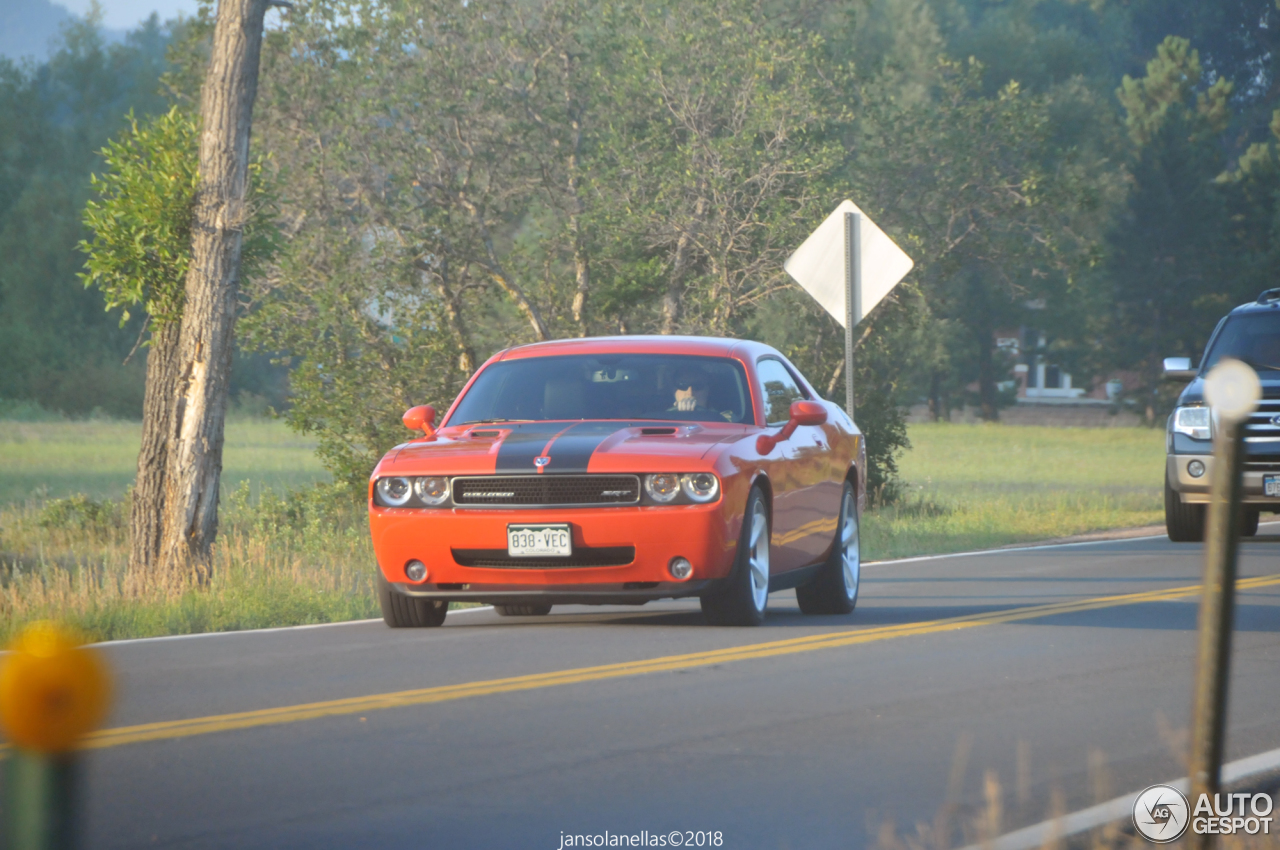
1160, 814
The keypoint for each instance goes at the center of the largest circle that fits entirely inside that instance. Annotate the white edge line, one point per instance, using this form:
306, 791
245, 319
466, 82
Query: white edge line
490, 607
110, 643
1120, 808
1030, 548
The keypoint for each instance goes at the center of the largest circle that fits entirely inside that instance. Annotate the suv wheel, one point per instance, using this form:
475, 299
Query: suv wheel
1184, 523
1249, 522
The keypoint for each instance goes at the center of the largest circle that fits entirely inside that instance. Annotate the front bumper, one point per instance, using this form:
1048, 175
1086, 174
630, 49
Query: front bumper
1195, 491
440, 538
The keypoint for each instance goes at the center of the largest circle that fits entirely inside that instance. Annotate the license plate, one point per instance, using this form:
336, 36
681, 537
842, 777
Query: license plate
529, 541
1271, 485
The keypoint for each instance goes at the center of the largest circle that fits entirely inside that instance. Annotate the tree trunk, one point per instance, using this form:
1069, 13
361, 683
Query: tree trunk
988, 407
679, 264
935, 396
146, 509
452, 311
194, 464
581, 266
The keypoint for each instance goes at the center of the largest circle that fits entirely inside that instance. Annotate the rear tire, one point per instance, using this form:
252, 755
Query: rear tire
524, 609
1184, 523
741, 601
834, 590
408, 612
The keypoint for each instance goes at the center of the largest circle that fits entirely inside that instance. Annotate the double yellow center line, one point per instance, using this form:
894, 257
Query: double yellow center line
423, 696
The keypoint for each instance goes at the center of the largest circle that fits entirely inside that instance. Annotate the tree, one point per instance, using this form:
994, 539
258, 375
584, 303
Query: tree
1170, 262
138, 258
54, 117
993, 211
206, 341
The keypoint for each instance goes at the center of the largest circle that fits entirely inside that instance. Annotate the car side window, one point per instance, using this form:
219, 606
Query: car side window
779, 389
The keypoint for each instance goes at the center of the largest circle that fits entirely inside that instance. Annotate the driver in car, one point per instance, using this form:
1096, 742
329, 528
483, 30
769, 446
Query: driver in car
692, 391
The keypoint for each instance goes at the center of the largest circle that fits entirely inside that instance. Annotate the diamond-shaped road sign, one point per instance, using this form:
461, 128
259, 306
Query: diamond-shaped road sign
819, 265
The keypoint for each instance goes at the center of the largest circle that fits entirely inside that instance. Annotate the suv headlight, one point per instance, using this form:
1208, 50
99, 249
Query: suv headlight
1193, 421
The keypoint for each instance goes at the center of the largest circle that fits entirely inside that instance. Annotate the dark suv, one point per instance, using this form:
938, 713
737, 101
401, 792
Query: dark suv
1250, 332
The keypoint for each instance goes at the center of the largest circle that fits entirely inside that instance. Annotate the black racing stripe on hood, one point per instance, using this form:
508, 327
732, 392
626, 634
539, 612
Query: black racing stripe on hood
572, 450
525, 442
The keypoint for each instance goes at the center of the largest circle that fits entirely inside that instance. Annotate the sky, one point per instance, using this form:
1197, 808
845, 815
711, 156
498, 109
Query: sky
125, 14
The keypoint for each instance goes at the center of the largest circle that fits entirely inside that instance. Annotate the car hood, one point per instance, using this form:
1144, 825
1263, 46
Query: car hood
1194, 392
527, 448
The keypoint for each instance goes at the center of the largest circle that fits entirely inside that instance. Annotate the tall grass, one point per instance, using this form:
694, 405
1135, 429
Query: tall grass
304, 558
978, 486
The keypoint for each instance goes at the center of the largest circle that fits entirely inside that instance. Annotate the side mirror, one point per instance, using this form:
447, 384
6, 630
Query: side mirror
802, 413
808, 413
421, 418
1178, 369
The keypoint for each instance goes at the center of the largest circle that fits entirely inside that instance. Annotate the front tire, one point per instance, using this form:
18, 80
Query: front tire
529, 609
1183, 523
834, 590
1249, 521
745, 595
408, 612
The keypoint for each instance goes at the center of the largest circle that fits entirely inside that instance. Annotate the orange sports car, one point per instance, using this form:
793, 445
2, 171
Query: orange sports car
619, 470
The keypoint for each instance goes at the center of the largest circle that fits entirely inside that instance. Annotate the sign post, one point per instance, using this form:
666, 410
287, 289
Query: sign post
853, 287
1232, 390
848, 265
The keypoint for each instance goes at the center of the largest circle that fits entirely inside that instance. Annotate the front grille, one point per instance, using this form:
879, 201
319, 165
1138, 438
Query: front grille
557, 490
1260, 424
1262, 466
583, 556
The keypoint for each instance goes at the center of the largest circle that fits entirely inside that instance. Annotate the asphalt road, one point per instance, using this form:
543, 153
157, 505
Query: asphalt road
831, 729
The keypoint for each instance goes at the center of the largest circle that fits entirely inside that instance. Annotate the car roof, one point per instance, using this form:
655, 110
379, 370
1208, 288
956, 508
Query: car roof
1268, 300
706, 346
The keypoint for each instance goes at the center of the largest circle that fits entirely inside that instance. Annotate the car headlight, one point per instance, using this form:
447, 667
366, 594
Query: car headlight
1192, 421
662, 486
396, 492
431, 491
700, 486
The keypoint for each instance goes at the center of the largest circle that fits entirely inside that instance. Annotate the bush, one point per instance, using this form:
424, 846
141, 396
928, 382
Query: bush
81, 513
25, 410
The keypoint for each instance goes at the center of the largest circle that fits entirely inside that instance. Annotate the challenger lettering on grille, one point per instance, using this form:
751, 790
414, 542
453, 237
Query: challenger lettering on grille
546, 489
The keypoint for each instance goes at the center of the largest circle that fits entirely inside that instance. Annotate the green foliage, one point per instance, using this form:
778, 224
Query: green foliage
141, 221
81, 513
1172, 77
57, 345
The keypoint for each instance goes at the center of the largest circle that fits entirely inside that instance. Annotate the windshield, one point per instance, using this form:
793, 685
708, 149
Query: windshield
1251, 337
608, 386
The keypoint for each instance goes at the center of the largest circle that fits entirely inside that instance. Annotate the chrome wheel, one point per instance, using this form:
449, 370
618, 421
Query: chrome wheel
850, 550
740, 598
758, 558
834, 590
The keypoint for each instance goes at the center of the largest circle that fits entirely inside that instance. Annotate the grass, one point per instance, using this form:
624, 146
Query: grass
43, 460
977, 486
301, 559
305, 557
